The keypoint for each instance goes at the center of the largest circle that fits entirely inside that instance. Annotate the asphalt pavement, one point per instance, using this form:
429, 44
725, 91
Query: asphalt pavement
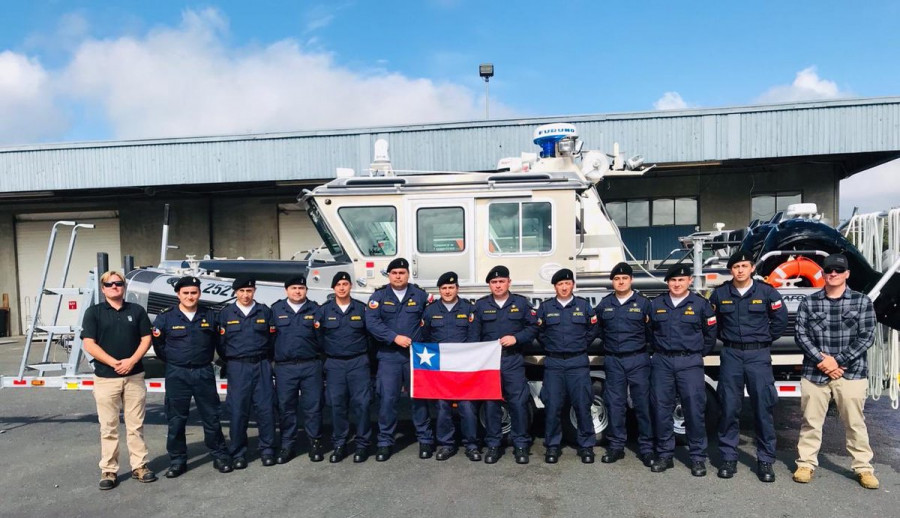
49, 449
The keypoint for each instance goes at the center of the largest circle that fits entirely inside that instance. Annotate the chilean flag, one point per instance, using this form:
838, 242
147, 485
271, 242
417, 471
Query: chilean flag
455, 371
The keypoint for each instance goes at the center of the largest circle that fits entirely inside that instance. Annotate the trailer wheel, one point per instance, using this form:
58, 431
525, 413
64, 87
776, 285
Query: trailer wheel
599, 417
505, 421
711, 417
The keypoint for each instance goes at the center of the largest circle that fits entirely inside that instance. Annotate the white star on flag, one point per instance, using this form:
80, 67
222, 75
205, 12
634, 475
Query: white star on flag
425, 357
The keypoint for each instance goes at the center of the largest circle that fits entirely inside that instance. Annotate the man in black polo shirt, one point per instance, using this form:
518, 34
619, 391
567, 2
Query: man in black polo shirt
117, 335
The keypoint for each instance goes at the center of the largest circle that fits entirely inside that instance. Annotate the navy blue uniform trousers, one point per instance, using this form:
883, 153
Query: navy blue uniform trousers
250, 386
349, 386
391, 379
681, 375
468, 423
514, 387
183, 383
753, 368
567, 377
623, 375
305, 378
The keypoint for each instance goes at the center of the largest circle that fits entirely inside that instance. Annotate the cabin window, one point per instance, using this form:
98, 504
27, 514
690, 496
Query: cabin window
440, 230
373, 229
520, 227
659, 212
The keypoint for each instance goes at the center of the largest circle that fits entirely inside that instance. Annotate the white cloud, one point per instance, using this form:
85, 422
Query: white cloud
185, 81
670, 101
807, 86
27, 108
872, 190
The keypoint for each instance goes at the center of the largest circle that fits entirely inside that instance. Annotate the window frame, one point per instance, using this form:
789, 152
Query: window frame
650, 202
462, 210
520, 253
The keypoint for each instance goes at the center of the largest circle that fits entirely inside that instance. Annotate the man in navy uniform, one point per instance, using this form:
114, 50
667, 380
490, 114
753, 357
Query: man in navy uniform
185, 337
567, 326
297, 368
750, 317
447, 321
393, 316
246, 339
341, 327
684, 330
506, 317
624, 321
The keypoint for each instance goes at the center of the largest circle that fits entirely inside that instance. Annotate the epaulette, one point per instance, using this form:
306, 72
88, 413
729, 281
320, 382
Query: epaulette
164, 310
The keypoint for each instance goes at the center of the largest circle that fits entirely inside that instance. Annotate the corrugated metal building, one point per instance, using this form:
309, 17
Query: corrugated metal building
233, 195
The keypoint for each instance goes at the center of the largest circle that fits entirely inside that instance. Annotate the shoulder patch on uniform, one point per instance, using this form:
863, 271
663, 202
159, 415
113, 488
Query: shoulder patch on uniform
316, 324
593, 319
221, 330
373, 304
156, 332
711, 321
776, 304
471, 317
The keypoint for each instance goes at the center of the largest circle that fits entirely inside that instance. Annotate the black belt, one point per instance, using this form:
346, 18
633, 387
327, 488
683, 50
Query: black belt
190, 365
627, 354
296, 361
249, 359
677, 353
749, 346
566, 356
346, 357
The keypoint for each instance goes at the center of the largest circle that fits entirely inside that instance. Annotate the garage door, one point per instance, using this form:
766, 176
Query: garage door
32, 235
296, 233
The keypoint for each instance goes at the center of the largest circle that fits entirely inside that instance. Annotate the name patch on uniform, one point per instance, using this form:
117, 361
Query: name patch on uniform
462, 315
204, 324
727, 302
688, 312
233, 322
631, 310
332, 318
308, 317
260, 321
437, 316
386, 303
282, 316
411, 303
552, 314
756, 301
776, 304
577, 314
178, 327
489, 311
513, 309
608, 309
660, 311
355, 317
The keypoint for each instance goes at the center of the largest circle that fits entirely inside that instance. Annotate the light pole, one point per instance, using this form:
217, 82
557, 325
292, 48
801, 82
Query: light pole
486, 71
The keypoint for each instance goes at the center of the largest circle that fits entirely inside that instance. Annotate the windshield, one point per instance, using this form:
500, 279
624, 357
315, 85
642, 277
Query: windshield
324, 232
373, 228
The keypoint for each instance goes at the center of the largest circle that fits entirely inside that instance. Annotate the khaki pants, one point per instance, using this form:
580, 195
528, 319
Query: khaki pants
850, 397
127, 395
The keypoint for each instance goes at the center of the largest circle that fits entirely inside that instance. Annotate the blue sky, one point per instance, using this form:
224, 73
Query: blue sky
89, 70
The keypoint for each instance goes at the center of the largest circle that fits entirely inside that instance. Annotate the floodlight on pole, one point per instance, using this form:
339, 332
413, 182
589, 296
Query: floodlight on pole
486, 71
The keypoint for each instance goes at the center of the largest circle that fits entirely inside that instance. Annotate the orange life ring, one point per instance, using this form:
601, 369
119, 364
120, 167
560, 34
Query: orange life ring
800, 267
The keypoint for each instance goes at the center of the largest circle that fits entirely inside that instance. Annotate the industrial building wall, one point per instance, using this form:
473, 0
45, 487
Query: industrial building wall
722, 196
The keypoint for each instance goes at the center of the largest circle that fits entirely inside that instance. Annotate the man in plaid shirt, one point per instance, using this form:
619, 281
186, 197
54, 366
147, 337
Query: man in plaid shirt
834, 329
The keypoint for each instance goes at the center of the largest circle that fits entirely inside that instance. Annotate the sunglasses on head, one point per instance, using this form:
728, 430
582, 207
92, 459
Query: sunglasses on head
835, 270
117, 284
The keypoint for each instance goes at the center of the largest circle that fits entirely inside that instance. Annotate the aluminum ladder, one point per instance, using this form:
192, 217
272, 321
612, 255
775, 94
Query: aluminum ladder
70, 334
